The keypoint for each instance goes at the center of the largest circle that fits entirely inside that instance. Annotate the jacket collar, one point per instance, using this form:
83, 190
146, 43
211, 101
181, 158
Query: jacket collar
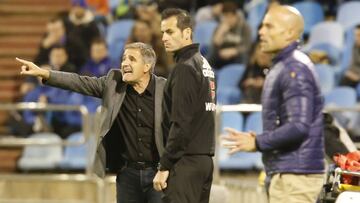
286, 52
186, 52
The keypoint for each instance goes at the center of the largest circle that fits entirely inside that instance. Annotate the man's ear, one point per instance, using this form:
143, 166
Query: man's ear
147, 67
187, 33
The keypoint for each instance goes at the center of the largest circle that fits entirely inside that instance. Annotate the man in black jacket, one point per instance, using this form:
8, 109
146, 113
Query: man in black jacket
130, 119
186, 166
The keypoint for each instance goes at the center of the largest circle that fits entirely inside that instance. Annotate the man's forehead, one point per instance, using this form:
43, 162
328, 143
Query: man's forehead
169, 22
132, 52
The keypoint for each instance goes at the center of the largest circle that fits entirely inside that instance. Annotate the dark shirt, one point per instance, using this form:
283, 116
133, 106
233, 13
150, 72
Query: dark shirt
136, 121
189, 106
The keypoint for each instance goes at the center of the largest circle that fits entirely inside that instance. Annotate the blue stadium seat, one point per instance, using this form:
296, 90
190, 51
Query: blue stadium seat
117, 35
228, 95
341, 96
75, 157
326, 76
312, 13
240, 160
327, 33
253, 123
255, 15
41, 157
228, 78
348, 14
347, 50
203, 33
230, 75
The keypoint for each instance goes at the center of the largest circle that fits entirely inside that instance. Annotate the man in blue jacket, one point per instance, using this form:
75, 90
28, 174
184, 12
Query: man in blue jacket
292, 141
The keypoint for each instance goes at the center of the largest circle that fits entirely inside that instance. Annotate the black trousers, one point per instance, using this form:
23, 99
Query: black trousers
190, 180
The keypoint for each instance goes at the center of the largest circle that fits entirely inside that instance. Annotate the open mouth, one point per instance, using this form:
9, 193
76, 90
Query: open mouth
127, 70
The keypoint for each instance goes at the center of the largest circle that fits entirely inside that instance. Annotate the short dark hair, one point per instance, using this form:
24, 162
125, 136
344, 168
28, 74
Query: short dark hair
99, 40
230, 7
183, 17
357, 26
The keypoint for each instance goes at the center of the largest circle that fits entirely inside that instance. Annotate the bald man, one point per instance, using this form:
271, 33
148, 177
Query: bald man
292, 141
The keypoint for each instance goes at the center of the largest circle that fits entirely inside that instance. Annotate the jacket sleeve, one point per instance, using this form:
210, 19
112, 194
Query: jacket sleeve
185, 87
297, 88
91, 86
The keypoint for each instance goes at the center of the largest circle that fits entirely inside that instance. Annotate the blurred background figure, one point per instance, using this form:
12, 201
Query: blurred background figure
253, 79
352, 74
232, 38
81, 22
142, 32
99, 63
56, 35
212, 11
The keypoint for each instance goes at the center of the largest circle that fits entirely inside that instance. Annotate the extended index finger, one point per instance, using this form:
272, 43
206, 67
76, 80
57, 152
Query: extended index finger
23, 61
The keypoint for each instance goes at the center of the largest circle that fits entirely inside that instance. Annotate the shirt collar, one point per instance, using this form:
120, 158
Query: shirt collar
150, 89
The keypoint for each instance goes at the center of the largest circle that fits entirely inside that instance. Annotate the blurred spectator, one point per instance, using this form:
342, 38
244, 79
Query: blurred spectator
232, 38
99, 7
209, 12
99, 63
59, 59
124, 9
142, 32
253, 79
56, 35
352, 74
81, 22
148, 11
33, 122
183, 4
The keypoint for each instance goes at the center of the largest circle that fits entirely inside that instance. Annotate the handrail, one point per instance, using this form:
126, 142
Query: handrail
11, 141
258, 107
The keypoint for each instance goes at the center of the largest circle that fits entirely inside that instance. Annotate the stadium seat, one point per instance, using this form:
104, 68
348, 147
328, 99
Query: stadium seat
117, 35
326, 76
312, 13
253, 122
240, 160
75, 156
203, 33
255, 15
228, 95
348, 14
230, 75
341, 97
41, 157
327, 33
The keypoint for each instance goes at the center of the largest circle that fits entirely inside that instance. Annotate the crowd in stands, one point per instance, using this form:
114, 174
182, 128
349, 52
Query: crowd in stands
79, 41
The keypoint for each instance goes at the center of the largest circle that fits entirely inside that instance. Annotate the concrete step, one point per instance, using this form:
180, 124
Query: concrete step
8, 96
36, 2
24, 20
40, 9
22, 29
9, 157
20, 39
17, 52
10, 74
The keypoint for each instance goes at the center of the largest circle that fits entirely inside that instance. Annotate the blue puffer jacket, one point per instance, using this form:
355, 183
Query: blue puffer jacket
292, 141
